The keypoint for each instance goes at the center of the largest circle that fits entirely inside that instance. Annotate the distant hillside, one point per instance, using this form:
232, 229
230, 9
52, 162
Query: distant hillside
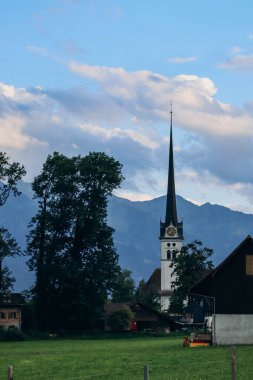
137, 229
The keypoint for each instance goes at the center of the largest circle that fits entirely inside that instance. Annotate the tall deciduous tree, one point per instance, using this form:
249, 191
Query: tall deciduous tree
125, 287
10, 174
190, 266
70, 243
8, 248
148, 295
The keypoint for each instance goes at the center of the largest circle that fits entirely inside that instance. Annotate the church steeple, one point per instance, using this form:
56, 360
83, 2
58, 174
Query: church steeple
171, 205
171, 219
171, 233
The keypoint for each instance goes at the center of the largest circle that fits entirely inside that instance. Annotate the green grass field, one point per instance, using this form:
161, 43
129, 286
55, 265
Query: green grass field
121, 359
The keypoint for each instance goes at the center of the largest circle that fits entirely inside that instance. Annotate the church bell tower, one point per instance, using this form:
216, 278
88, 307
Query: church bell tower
171, 232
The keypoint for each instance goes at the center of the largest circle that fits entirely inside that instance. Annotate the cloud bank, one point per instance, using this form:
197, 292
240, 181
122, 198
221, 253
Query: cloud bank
126, 114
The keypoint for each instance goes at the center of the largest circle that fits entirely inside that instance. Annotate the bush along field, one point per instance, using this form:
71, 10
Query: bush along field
121, 359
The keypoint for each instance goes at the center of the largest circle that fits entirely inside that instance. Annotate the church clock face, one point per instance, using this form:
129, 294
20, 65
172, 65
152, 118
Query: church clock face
171, 231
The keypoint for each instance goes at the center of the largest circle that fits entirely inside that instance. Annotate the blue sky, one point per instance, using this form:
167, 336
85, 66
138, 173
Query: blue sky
81, 75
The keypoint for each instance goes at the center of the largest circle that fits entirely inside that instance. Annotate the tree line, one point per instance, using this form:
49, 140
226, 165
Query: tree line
70, 245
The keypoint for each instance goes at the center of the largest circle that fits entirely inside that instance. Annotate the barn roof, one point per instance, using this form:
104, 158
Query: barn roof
216, 270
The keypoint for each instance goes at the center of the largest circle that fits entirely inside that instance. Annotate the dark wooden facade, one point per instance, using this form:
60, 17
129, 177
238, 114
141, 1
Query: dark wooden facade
145, 317
231, 283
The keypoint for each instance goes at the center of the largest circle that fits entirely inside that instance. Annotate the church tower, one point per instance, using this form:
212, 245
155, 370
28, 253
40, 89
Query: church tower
171, 232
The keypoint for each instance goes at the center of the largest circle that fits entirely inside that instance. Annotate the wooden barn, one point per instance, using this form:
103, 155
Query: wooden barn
145, 318
230, 288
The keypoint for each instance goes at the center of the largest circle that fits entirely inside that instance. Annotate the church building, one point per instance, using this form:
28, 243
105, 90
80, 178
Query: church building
171, 232
171, 237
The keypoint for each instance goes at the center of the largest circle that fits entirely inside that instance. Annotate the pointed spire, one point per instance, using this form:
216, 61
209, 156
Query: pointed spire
171, 206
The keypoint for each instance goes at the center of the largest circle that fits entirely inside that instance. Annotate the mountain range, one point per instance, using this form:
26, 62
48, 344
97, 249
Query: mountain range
137, 227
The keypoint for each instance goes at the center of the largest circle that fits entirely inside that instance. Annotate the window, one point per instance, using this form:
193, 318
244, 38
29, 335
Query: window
13, 314
2, 315
174, 252
168, 255
249, 265
174, 244
168, 244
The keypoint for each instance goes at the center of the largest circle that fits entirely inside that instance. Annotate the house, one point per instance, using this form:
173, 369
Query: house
230, 288
145, 317
10, 311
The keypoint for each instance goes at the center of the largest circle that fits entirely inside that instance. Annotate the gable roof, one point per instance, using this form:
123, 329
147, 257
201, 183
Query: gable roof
13, 299
212, 273
154, 279
110, 308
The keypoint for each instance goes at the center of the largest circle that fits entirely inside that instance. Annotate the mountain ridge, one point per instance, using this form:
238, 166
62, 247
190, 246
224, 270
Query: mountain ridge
137, 228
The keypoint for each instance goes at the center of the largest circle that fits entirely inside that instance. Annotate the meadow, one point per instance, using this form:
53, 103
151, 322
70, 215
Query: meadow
121, 359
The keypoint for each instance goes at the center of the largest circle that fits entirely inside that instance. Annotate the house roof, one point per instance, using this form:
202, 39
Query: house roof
13, 299
213, 272
112, 307
154, 279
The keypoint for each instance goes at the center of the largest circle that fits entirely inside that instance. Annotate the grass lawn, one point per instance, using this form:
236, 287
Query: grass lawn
121, 359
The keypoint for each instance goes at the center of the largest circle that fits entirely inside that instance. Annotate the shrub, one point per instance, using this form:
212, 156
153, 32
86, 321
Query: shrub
11, 334
121, 319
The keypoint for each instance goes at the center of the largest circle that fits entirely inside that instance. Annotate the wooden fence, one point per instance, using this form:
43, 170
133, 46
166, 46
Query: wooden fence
10, 375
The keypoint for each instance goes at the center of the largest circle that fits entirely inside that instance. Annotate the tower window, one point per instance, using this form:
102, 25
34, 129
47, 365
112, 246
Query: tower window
174, 244
168, 255
168, 244
174, 254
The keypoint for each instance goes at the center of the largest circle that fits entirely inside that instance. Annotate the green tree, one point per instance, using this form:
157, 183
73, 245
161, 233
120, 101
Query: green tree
124, 290
190, 266
148, 295
70, 244
10, 174
8, 248
121, 319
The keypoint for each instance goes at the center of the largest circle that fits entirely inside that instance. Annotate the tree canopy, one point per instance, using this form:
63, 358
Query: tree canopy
190, 266
70, 244
148, 295
121, 319
124, 290
10, 174
8, 248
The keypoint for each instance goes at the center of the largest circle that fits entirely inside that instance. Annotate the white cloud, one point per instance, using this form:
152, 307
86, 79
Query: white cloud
240, 62
20, 95
146, 95
11, 132
126, 115
147, 261
182, 59
37, 50
194, 201
133, 196
110, 133
236, 50
75, 146
12, 135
